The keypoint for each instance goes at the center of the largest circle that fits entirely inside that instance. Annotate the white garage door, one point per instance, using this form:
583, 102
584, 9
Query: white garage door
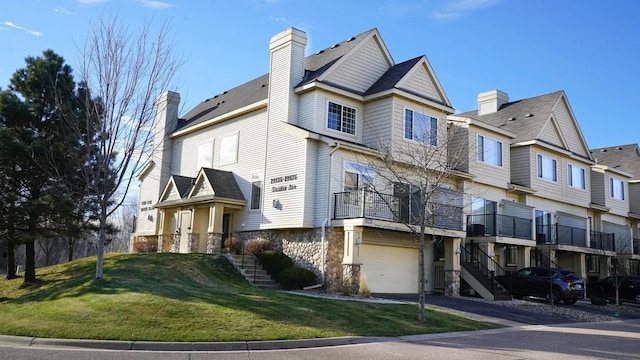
389, 269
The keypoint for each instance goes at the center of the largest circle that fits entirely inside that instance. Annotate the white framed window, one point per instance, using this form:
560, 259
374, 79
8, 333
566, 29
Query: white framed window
341, 118
420, 127
357, 176
575, 177
547, 168
256, 191
228, 149
616, 188
489, 151
205, 155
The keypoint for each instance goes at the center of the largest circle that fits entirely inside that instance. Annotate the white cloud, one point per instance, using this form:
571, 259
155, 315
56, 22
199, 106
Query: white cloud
63, 10
455, 9
155, 4
91, 2
32, 32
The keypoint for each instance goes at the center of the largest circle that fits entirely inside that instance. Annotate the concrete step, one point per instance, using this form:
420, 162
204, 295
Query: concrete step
252, 272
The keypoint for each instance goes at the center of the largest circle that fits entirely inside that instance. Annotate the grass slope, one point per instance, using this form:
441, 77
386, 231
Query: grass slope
195, 297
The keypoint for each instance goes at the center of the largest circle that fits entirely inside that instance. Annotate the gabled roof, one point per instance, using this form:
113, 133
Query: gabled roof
512, 116
317, 64
182, 185
223, 183
392, 76
623, 157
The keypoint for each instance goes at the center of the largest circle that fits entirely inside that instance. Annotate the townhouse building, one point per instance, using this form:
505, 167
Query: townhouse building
294, 157
282, 157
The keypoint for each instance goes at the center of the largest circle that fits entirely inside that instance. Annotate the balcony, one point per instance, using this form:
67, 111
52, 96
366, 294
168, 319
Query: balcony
602, 241
561, 235
372, 205
499, 225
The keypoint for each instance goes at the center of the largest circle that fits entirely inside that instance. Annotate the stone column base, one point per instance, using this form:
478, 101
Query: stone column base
351, 278
214, 243
452, 283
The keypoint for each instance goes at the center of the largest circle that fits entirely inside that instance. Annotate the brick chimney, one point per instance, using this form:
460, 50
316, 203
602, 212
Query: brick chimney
491, 101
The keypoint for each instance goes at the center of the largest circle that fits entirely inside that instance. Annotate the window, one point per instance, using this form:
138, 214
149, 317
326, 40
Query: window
544, 227
616, 188
256, 191
229, 149
420, 127
547, 168
205, 155
575, 175
342, 118
489, 151
483, 217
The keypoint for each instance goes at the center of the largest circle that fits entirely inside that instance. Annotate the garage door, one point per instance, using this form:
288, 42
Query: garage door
390, 270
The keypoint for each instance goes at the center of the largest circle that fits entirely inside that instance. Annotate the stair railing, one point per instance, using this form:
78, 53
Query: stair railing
255, 262
481, 264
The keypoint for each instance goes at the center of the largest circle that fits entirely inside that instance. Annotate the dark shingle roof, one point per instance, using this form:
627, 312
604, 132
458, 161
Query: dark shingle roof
224, 184
623, 157
183, 184
390, 78
258, 89
512, 116
236, 98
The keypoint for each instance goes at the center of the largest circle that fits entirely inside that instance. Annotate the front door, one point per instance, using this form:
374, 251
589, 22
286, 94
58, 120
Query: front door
225, 228
185, 230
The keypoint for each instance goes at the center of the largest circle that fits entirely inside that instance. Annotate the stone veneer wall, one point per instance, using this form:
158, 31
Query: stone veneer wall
304, 247
194, 242
214, 243
452, 283
175, 243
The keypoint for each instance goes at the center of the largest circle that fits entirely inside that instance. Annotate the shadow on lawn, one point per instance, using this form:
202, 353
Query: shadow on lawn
200, 279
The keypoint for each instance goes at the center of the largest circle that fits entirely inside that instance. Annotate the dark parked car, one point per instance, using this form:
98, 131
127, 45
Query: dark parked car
549, 283
629, 288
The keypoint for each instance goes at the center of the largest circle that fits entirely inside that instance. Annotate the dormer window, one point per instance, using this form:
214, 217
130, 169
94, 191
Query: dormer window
420, 127
341, 118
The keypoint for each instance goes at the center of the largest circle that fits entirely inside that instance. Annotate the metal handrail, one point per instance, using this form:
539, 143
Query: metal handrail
255, 262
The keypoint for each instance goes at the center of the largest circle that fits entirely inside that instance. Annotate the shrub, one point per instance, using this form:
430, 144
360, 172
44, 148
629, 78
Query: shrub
345, 287
257, 246
233, 246
596, 300
274, 262
364, 289
145, 245
296, 278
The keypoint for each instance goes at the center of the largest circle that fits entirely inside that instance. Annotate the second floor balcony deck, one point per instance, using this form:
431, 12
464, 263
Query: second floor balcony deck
374, 205
499, 225
557, 234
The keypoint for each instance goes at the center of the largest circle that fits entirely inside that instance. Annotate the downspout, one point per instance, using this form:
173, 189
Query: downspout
323, 240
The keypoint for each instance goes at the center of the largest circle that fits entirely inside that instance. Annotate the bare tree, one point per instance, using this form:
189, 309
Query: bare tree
421, 174
123, 73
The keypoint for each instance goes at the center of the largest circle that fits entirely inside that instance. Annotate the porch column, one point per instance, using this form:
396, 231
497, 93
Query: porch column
214, 229
489, 249
160, 230
524, 258
452, 267
605, 266
580, 264
351, 261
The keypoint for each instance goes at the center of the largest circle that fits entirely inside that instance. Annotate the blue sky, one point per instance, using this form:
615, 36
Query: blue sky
590, 49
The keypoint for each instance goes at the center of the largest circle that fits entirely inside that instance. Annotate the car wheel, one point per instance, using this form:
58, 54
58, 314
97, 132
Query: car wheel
637, 298
553, 296
570, 301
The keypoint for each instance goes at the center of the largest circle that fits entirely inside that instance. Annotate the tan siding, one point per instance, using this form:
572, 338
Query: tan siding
550, 134
377, 121
569, 193
362, 68
310, 182
570, 132
521, 166
618, 207
634, 198
459, 152
321, 194
422, 84
598, 187
487, 173
546, 188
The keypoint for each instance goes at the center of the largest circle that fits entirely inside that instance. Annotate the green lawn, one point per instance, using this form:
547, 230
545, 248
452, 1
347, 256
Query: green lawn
195, 297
